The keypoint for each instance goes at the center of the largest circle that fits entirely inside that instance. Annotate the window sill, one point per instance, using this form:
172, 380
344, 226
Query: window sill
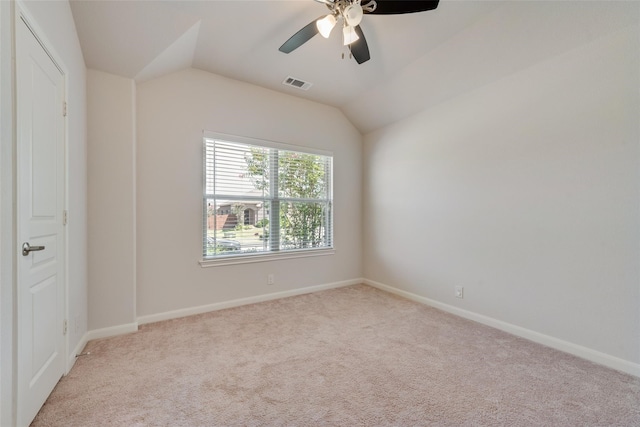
249, 259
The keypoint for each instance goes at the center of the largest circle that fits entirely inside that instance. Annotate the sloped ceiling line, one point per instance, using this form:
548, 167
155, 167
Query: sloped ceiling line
177, 56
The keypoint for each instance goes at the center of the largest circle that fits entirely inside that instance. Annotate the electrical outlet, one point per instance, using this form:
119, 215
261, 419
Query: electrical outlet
271, 279
459, 292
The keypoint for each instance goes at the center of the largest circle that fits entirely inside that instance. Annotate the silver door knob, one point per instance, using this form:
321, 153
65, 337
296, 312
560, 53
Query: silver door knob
26, 248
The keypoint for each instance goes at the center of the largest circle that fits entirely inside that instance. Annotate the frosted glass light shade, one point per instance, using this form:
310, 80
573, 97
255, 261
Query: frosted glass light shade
325, 25
353, 14
349, 35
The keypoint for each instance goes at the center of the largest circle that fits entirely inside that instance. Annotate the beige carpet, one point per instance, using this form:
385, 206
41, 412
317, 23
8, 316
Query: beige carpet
352, 356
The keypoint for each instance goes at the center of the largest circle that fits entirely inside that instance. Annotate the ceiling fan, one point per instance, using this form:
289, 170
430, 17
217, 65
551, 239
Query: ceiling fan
350, 12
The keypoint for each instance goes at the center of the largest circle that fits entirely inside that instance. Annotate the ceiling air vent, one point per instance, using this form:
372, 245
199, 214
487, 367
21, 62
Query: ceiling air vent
297, 83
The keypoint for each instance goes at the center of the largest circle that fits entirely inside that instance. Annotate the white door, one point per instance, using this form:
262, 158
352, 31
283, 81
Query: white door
41, 284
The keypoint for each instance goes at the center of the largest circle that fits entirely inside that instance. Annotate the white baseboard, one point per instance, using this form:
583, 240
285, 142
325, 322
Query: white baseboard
549, 341
174, 314
77, 350
112, 331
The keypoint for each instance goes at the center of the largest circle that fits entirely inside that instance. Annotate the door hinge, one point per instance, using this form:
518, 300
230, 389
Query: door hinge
64, 109
65, 217
64, 327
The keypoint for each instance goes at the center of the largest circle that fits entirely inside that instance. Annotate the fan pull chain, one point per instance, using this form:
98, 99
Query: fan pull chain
350, 54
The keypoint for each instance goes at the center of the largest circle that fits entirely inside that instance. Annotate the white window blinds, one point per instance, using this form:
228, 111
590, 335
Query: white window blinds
264, 198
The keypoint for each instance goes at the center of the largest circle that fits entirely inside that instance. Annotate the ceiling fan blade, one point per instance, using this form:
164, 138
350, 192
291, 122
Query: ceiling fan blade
301, 37
359, 48
393, 7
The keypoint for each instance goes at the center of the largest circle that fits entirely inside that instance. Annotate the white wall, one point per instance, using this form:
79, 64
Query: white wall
527, 193
172, 113
111, 199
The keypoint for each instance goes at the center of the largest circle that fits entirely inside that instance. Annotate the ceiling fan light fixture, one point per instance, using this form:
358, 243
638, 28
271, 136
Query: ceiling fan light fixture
353, 14
349, 35
325, 25
350, 13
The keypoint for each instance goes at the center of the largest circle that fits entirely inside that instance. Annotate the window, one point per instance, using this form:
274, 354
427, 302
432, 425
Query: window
264, 198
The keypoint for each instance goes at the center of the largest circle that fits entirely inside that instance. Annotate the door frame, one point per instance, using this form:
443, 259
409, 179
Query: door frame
7, 215
21, 12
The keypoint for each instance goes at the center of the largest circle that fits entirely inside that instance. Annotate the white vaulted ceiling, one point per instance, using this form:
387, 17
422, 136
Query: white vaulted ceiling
417, 60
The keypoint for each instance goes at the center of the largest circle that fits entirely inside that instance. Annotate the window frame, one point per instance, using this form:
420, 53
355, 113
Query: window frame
271, 254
